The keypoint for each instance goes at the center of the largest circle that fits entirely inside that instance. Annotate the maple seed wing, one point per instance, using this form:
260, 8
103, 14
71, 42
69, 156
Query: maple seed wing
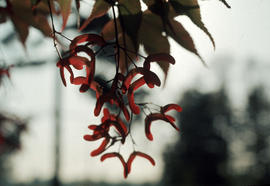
101, 148
172, 106
157, 116
114, 154
137, 84
63, 76
141, 154
91, 38
146, 156
130, 160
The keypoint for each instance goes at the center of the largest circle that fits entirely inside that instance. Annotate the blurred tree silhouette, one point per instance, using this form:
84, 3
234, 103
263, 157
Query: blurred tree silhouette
258, 123
200, 156
10, 132
210, 128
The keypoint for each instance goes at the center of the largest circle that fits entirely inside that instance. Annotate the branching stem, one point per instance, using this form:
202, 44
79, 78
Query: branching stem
54, 31
117, 41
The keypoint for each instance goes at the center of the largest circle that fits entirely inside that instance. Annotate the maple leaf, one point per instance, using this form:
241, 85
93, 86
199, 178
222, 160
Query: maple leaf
191, 8
34, 3
182, 37
152, 38
125, 42
65, 7
130, 16
21, 14
100, 8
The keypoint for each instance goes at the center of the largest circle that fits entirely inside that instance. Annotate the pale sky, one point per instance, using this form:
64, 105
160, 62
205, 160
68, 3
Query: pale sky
240, 33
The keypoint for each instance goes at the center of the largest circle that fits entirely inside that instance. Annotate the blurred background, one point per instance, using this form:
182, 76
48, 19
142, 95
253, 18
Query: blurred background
224, 134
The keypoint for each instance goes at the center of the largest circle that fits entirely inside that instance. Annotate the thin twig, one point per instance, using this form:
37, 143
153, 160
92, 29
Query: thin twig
59, 33
129, 59
129, 131
131, 51
117, 41
54, 31
124, 36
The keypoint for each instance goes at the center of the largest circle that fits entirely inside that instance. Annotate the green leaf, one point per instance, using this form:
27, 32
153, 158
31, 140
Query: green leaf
150, 36
23, 17
130, 16
21, 28
127, 56
65, 6
159, 7
182, 37
100, 8
34, 2
192, 10
108, 31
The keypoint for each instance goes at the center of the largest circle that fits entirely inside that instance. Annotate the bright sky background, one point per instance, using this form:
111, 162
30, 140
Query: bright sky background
240, 33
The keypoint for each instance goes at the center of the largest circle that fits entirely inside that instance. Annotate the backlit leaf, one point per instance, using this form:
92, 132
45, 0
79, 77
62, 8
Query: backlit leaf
127, 56
23, 17
100, 8
34, 2
182, 37
192, 9
152, 38
108, 31
65, 7
130, 16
